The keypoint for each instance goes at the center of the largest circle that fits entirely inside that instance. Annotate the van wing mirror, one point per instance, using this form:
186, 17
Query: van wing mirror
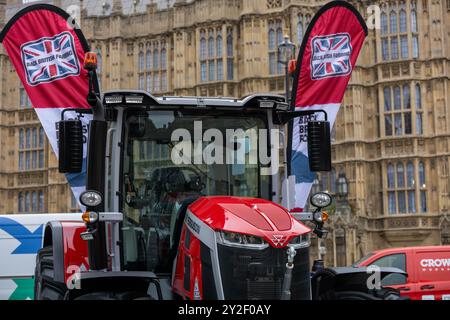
70, 146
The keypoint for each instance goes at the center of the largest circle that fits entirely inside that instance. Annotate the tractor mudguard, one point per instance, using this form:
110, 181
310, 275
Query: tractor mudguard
130, 285
70, 252
348, 279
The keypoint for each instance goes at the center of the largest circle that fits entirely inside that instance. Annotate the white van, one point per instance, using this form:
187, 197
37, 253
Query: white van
20, 239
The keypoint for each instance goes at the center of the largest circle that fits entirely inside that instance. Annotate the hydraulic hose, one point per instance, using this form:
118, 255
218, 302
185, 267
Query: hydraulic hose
287, 281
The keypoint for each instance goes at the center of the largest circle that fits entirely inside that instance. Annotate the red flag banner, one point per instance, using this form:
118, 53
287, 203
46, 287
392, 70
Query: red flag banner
48, 55
326, 60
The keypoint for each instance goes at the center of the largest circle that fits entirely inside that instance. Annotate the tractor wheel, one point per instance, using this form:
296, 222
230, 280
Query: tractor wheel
45, 288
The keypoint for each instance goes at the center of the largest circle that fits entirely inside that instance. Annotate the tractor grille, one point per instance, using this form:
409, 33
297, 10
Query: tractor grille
249, 274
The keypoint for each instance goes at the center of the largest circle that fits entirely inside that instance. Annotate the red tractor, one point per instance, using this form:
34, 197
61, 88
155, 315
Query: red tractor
155, 228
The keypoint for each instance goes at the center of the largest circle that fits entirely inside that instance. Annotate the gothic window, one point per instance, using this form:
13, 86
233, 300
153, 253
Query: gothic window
394, 48
387, 98
230, 42
203, 71
164, 81
141, 61
211, 49
384, 24
21, 138
422, 186
220, 70
402, 21
41, 201
418, 106
398, 119
34, 202
27, 202
155, 59
410, 175
154, 80
41, 137
31, 148
275, 38
163, 69
149, 83
401, 194
230, 54
397, 98
202, 45
415, 46
422, 175
20, 202
148, 60
404, 46
272, 40
390, 171
219, 46
413, 21
385, 49
212, 70
406, 97
141, 82
395, 42
393, 21
211, 55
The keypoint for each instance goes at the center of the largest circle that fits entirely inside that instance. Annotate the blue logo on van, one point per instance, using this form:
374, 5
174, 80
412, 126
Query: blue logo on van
30, 242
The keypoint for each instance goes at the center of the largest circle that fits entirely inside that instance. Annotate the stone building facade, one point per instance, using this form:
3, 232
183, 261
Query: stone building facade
392, 135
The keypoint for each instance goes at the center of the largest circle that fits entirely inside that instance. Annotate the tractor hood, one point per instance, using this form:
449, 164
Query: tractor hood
250, 216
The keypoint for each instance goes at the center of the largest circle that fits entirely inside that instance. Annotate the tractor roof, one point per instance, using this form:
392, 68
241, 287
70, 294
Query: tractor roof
142, 98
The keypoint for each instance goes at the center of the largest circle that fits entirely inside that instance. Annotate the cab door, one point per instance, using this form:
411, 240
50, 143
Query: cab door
400, 282
433, 274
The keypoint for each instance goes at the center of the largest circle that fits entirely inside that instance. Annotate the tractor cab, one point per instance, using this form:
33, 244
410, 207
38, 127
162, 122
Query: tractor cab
196, 183
175, 150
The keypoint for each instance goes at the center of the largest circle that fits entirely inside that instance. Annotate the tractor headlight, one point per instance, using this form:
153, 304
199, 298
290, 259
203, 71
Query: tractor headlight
91, 198
301, 241
234, 239
321, 200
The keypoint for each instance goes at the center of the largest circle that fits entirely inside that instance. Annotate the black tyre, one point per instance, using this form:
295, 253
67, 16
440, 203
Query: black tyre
45, 287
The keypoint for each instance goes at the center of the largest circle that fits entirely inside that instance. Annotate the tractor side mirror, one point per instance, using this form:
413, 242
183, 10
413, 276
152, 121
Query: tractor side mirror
319, 146
70, 146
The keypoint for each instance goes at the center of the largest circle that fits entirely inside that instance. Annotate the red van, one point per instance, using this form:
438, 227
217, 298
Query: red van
428, 271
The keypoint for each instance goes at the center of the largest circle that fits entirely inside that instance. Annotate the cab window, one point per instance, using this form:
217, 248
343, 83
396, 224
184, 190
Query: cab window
157, 189
392, 261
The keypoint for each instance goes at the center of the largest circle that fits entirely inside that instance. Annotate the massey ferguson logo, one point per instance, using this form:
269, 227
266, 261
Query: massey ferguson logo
330, 56
49, 59
278, 240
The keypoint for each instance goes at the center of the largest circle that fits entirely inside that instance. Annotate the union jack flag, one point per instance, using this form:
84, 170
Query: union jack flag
49, 59
331, 56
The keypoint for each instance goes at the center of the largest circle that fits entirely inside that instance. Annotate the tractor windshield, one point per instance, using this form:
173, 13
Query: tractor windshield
170, 159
